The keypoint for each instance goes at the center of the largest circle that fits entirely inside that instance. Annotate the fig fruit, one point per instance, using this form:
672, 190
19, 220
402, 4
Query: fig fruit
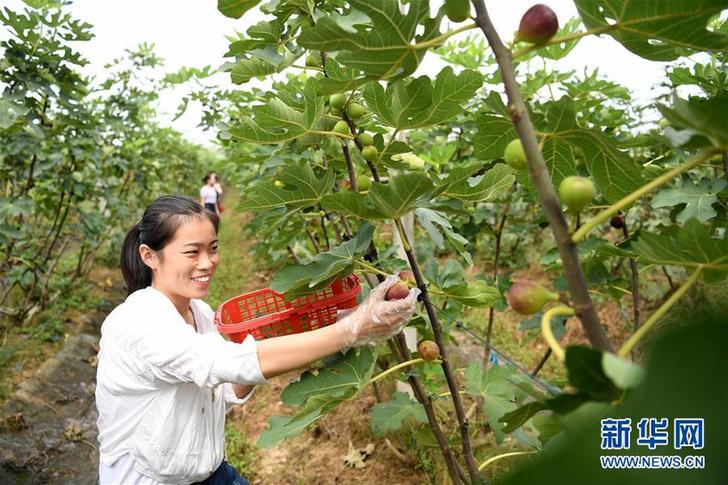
355, 111
342, 127
312, 60
363, 183
527, 297
397, 292
576, 192
617, 222
370, 153
538, 25
407, 276
337, 101
278, 183
365, 139
428, 350
514, 155
663, 123
457, 10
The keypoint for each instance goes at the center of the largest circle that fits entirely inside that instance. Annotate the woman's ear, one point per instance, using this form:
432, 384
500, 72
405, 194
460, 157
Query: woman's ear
149, 256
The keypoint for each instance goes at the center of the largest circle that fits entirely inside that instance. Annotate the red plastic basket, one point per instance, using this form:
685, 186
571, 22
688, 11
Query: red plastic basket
265, 313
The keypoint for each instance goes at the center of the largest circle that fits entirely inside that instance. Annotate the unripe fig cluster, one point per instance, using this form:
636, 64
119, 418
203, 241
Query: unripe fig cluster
528, 297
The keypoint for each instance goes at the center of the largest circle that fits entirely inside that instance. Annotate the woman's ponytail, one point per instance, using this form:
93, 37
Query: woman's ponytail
137, 275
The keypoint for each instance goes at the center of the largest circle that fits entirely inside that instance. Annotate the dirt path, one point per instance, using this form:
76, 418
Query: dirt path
48, 432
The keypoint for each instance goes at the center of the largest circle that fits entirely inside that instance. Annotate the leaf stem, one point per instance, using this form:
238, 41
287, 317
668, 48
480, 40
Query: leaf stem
647, 326
548, 335
563, 38
487, 462
397, 367
331, 133
642, 191
442, 38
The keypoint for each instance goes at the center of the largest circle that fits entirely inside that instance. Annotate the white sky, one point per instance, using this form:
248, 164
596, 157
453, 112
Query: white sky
192, 33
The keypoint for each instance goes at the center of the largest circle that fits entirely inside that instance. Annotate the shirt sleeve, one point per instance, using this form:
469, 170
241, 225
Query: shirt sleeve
176, 353
231, 399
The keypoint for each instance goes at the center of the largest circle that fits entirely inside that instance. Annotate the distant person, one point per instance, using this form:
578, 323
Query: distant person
218, 188
209, 195
166, 377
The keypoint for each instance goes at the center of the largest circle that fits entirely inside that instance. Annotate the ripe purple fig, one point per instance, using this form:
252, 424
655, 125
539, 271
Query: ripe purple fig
527, 297
538, 25
617, 222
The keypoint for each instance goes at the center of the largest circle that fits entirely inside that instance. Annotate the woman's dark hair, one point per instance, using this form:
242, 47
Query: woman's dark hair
207, 177
159, 223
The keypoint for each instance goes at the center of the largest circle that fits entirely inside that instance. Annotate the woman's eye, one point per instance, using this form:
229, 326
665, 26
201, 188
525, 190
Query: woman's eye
191, 253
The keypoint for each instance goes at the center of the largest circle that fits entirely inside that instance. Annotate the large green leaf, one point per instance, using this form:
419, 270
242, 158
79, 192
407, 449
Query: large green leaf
319, 394
698, 199
693, 246
325, 267
235, 8
403, 193
656, 29
10, 112
282, 427
390, 415
698, 117
348, 373
497, 391
494, 133
587, 375
488, 187
276, 122
376, 38
420, 102
302, 188
436, 224
614, 172
351, 203
476, 293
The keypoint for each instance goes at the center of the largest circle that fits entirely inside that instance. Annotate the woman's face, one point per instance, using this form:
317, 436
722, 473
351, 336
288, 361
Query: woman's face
186, 265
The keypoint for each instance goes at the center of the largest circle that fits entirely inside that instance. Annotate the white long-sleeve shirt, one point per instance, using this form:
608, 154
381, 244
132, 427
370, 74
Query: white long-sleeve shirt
163, 390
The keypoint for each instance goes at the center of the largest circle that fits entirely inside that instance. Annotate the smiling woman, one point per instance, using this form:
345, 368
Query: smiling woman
166, 378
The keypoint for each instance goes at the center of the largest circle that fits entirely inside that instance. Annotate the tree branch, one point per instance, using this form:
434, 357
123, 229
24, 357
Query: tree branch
540, 176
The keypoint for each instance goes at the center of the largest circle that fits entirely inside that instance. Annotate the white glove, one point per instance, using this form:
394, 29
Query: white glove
376, 318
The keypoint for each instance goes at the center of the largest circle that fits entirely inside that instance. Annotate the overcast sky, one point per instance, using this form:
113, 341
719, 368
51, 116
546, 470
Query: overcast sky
192, 33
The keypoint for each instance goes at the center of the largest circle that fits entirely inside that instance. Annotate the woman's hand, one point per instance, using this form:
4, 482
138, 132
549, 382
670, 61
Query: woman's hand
376, 318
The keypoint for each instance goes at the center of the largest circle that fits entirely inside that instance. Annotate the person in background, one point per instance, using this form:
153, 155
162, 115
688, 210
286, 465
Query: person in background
166, 377
218, 188
208, 194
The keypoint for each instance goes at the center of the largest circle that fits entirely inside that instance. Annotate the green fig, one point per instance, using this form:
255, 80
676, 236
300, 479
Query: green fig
338, 100
364, 139
514, 155
312, 60
370, 153
527, 297
576, 192
342, 127
363, 183
355, 111
457, 10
